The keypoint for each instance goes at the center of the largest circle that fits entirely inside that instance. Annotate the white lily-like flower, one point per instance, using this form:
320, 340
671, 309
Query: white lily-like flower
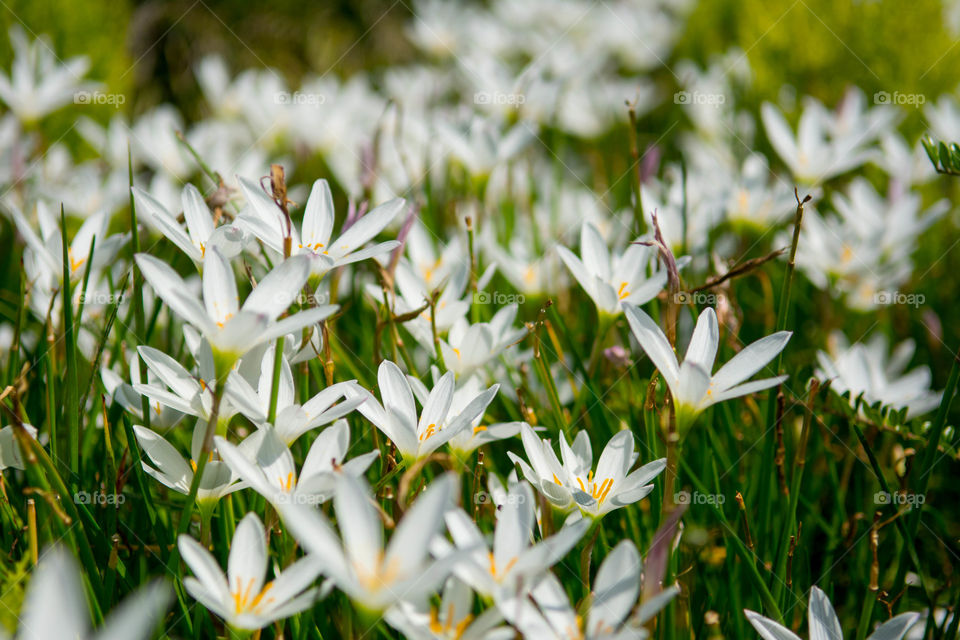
866, 368
292, 419
612, 280
43, 258
39, 82
126, 395
452, 620
574, 485
824, 624
232, 329
512, 562
375, 577
397, 418
266, 464
241, 597
825, 145
170, 469
548, 613
467, 440
55, 607
200, 233
10, 455
691, 384
265, 220
175, 388
470, 347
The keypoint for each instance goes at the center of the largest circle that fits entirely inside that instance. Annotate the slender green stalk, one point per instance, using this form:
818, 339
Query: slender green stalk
275, 386
71, 409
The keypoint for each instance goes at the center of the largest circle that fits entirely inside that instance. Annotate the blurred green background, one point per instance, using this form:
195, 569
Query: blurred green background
147, 49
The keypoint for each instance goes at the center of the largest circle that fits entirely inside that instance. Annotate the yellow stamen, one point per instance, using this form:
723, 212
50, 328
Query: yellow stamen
622, 291
478, 429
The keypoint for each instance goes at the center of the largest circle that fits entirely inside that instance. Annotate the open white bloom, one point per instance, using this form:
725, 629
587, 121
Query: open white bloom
825, 146
512, 563
453, 620
397, 417
169, 468
161, 416
200, 233
43, 257
692, 385
241, 597
174, 388
232, 329
824, 624
375, 577
866, 368
10, 454
39, 82
292, 419
574, 485
55, 607
867, 252
265, 463
549, 613
470, 347
467, 440
612, 280
265, 220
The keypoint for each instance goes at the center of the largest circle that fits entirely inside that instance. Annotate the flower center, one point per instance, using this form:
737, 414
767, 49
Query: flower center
244, 600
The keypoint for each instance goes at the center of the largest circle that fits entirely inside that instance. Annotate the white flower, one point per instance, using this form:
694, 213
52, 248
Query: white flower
574, 485
170, 469
397, 416
200, 234
692, 385
467, 440
230, 328
826, 145
512, 562
470, 347
292, 419
452, 620
10, 454
39, 82
867, 252
55, 607
240, 597
866, 368
824, 624
161, 416
173, 387
265, 463
375, 577
265, 220
615, 592
43, 258
612, 280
